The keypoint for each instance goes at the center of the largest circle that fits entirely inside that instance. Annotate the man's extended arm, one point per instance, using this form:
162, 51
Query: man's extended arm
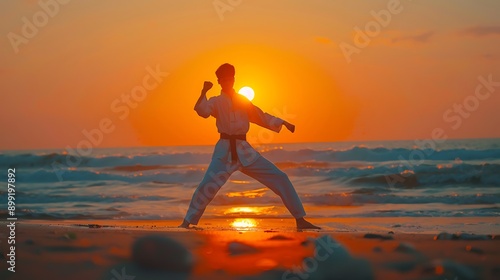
202, 107
257, 116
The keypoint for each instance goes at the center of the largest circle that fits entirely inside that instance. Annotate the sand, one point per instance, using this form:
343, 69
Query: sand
364, 248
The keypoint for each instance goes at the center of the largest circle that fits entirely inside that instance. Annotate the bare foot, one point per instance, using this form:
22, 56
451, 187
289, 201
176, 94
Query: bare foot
303, 224
185, 224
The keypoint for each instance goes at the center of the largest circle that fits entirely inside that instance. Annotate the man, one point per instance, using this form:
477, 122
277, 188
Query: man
233, 113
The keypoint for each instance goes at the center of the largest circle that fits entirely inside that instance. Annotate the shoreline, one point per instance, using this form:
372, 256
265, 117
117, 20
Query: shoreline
410, 225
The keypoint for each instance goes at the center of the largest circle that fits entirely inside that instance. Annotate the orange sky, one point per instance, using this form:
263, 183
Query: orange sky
71, 73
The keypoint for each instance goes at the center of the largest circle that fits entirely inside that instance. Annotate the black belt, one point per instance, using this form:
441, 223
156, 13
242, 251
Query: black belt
232, 143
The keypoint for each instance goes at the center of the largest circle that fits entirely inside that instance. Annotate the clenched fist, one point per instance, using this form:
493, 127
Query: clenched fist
289, 126
207, 86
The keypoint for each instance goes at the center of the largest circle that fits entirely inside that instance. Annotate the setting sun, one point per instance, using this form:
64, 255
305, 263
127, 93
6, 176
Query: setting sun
247, 92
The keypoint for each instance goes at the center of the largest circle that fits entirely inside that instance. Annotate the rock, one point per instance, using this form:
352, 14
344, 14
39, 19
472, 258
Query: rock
333, 261
406, 248
280, 237
335, 250
161, 253
450, 270
445, 236
377, 249
238, 248
471, 249
390, 232
471, 236
462, 236
378, 236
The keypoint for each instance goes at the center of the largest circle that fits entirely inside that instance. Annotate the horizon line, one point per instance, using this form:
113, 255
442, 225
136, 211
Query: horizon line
256, 145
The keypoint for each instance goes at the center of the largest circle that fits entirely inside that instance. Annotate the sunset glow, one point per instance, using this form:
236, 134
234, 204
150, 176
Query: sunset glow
303, 74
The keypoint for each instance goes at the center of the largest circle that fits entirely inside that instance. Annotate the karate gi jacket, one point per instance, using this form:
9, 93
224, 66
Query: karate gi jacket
234, 113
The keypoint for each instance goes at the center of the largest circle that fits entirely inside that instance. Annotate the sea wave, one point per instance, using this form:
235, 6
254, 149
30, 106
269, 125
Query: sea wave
460, 178
396, 175
361, 154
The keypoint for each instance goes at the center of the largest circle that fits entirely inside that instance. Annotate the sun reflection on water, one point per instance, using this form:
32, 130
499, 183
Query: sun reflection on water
242, 224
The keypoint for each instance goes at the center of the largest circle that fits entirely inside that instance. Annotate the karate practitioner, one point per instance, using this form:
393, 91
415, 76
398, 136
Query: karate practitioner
233, 113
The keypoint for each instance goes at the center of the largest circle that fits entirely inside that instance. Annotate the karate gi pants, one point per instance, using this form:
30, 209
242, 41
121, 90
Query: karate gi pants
261, 170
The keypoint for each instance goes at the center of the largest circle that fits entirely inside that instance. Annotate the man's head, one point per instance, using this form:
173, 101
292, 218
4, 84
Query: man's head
225, 76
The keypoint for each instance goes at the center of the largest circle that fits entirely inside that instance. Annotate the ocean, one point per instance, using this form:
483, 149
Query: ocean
457, 178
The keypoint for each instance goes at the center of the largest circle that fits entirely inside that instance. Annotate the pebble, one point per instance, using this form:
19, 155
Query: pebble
237, 248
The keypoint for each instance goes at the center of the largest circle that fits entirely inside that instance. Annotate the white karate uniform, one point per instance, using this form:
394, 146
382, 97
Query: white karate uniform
234, 113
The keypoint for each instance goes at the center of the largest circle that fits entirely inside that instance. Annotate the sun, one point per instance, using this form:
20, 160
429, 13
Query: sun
247, 92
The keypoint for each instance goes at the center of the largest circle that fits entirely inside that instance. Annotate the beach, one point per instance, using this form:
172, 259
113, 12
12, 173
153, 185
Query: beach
373, 248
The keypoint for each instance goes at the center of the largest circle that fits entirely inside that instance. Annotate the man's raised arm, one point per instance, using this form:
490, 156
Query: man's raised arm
202, 106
